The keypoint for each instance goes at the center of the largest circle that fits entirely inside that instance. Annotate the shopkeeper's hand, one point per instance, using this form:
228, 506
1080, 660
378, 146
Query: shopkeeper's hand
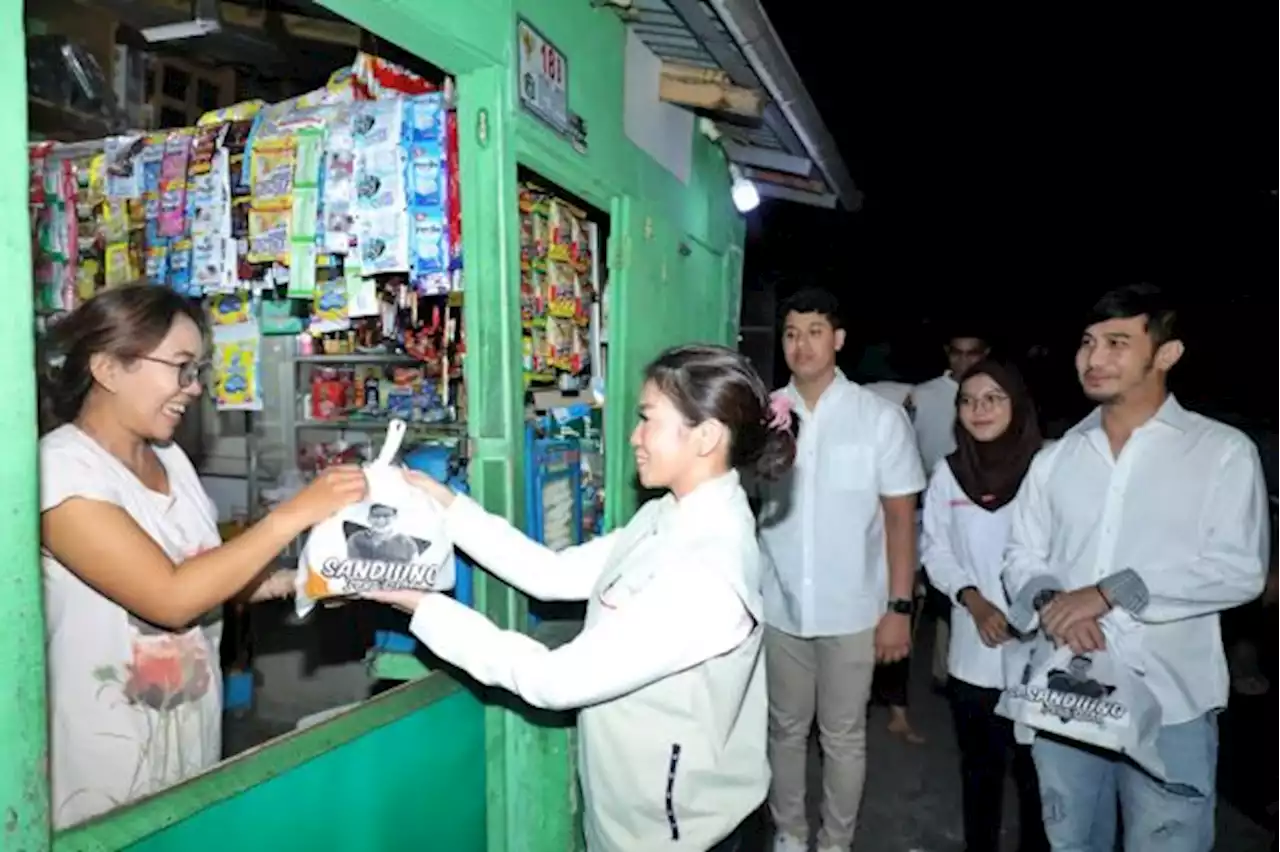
406, 600
278, 584
442, 494
893, 637
329, 493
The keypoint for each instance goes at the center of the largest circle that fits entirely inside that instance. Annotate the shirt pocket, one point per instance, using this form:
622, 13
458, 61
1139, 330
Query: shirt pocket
848, 468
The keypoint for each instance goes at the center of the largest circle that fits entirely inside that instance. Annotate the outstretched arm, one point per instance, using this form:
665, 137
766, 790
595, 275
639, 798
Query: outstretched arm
510, 555
516, 559
679, 620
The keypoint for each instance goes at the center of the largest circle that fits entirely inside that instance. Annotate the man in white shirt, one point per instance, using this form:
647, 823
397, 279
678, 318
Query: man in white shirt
934, 402
840, 533
1148, 519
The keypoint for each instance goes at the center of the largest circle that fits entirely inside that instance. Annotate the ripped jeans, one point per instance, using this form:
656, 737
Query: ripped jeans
1079, 789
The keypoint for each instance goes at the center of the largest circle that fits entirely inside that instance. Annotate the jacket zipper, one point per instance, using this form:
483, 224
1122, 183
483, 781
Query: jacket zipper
672, 764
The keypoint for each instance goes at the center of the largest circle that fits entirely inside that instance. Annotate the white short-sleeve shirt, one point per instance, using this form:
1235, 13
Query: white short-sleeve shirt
822, 526
133, 708
935, 402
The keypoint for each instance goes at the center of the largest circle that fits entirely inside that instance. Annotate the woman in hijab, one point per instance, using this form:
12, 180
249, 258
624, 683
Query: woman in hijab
966, 524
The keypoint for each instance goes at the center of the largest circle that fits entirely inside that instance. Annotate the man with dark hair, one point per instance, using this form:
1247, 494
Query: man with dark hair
840, 535
935, 416
379, 540
1132, 534
935, 400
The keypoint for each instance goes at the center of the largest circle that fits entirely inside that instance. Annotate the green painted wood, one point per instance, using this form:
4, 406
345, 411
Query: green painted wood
273, 763
24, 794
400, 786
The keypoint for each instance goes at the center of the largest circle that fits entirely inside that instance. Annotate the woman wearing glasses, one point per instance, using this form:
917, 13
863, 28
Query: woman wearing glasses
135, 572
966, 525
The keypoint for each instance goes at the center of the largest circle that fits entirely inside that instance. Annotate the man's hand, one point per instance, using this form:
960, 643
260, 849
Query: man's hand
1085, 636
1069, 609
893, 637
993, 629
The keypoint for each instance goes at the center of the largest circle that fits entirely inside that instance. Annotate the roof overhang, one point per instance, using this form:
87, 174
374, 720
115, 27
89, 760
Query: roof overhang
787, 151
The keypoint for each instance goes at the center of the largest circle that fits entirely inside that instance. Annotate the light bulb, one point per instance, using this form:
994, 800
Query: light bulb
745, 195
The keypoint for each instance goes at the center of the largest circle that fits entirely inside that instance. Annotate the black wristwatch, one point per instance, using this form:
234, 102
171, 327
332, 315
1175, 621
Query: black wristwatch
901, 606
960, 594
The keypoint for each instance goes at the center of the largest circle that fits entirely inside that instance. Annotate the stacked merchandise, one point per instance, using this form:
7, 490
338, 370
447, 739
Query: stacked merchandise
581, 424
334, 216
557, 288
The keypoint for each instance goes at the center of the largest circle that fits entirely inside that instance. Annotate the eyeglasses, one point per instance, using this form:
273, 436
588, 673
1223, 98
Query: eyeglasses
987, 400
189, 372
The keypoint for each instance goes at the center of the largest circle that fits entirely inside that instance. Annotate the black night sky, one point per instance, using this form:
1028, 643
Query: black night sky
1019, 161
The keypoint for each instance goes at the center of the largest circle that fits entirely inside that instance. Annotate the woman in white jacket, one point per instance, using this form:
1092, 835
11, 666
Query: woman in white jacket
966, 526
668, 669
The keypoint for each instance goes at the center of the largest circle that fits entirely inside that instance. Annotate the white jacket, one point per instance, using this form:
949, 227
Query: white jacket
668, 668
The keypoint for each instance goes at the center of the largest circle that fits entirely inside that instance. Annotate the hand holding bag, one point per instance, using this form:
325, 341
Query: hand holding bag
1098, 698
393, 540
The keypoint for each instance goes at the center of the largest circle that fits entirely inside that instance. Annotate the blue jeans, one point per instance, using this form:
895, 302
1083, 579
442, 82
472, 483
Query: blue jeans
1079, 787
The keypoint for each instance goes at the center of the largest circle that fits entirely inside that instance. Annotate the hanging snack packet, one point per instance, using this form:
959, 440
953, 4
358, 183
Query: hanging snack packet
393, 540
1093, 698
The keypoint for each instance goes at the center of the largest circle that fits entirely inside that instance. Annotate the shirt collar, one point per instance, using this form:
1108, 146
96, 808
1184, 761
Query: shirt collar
1170, 413
836, 387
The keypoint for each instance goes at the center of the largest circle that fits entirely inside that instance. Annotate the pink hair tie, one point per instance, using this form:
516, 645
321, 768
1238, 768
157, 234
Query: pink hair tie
780, 411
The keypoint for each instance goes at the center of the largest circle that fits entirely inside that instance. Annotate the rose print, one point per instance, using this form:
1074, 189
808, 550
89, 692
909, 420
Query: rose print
168, 671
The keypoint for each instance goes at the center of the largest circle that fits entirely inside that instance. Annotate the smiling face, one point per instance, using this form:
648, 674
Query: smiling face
150, 395
1119, 358
662, 440
670, 452
985, 408
809, 345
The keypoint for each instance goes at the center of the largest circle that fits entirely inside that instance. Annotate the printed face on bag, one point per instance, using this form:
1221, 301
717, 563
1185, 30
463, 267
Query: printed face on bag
151, 393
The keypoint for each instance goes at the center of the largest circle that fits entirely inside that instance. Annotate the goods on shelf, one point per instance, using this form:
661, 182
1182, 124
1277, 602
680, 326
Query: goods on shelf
375, 393
333, 215
557, 287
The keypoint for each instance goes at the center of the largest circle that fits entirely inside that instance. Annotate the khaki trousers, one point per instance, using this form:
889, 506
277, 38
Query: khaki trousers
827, 678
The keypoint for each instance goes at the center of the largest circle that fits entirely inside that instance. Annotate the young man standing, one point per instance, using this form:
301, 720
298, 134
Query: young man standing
935, 400
935, 417
1145, 520
841, 534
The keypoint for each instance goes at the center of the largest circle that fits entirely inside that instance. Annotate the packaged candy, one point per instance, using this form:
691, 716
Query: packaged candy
395, 539
173, 184
230, 308
236, 112
235, 367
1094, 698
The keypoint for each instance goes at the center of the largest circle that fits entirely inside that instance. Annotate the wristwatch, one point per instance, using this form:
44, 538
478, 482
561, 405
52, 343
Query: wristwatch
901, 606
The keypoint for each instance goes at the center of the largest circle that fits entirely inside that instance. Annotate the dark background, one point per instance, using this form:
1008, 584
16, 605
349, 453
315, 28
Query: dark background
1018, 162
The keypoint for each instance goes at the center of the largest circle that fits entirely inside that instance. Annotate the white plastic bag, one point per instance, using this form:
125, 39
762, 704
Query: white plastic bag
1092, 698
395, 539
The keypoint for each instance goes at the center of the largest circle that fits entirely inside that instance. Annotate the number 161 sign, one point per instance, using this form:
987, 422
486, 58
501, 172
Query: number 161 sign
544, 82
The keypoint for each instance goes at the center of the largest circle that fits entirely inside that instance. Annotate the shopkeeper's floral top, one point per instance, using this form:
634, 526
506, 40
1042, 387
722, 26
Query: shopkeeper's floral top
133, 708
